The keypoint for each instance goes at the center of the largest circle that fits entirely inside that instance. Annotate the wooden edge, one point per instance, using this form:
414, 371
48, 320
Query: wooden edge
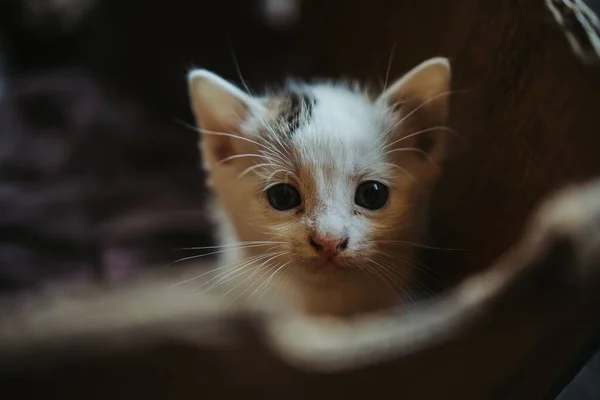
568, 226
558, 259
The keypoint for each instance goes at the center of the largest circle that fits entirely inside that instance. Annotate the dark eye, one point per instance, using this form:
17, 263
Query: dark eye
283, 197
371, 195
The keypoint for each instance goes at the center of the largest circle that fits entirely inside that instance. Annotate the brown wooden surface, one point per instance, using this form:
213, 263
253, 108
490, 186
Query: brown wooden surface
504, 334
529, 115
526, 106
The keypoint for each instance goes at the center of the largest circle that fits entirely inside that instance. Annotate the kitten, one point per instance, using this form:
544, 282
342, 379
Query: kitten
320, 187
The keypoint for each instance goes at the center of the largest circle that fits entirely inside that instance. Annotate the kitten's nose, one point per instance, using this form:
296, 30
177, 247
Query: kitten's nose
328, 245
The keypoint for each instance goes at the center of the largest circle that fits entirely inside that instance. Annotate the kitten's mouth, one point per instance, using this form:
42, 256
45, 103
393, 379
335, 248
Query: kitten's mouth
326, 265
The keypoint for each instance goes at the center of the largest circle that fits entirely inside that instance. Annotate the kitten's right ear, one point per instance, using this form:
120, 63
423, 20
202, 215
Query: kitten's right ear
422, 98
220, 110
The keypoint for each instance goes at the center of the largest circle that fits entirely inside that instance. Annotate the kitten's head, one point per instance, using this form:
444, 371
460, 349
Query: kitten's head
332, 175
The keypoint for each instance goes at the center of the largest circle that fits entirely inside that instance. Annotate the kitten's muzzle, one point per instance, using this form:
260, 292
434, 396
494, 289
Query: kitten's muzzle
327, 245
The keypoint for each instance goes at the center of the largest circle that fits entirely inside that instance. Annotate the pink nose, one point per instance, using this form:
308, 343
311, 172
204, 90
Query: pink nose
328, 245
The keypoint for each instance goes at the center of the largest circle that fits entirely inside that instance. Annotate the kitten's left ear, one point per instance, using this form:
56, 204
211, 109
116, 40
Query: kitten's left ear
217, 104
220, 110
422, 96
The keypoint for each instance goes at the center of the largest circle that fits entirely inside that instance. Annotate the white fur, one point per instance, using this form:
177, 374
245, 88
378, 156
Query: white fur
346, 141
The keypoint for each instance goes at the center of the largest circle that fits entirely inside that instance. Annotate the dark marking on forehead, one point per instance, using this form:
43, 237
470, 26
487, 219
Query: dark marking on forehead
297, 107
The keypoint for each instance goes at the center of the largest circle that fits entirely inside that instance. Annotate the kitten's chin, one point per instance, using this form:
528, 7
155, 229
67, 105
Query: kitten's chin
325, 270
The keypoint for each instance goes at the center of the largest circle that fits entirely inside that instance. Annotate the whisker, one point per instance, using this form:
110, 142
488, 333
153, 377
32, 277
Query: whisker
252, 168
227, 134
414, 281
198, 256
222, 250
271, 177
233, 272
234, 245
375, 272
194, 212
287, 273
434, 128
433, 274
236, 156
265, 266
277, 158
446, 93
212, 270
285, 146
403, 170
394, 273
238, 70
268, 280
257, 271
414, 150
389, 66
417, 245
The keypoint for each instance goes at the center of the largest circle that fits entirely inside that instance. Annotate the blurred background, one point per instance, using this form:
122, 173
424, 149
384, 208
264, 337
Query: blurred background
99, 179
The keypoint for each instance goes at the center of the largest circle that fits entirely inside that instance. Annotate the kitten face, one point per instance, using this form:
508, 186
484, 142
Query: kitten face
329, 174
344, 195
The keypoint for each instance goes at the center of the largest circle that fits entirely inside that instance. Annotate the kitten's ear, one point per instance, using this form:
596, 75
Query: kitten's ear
422, 97
220, 110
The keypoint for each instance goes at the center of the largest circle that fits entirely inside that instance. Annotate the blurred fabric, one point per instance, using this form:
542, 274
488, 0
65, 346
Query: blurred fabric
98, 179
